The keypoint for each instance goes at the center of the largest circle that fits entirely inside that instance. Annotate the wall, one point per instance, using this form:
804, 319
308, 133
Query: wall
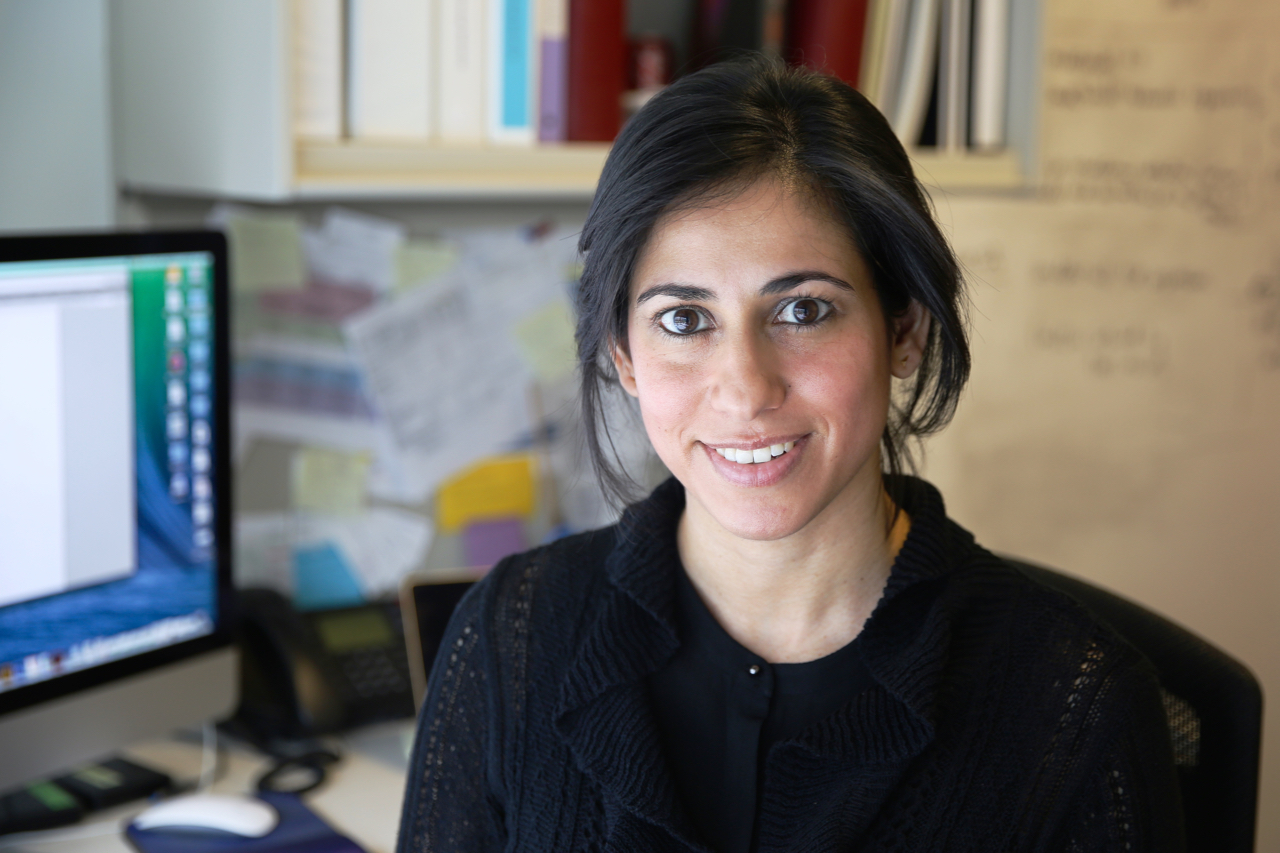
55, 130
1121, 423
1122, 417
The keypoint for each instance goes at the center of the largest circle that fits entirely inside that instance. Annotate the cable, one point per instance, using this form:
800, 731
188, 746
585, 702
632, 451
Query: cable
297, 774
208, 756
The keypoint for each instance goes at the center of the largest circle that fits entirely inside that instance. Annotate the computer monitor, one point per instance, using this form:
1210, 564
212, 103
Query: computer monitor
115, 522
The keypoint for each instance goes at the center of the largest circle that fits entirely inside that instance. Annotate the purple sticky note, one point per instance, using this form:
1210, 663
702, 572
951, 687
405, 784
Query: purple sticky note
486, 542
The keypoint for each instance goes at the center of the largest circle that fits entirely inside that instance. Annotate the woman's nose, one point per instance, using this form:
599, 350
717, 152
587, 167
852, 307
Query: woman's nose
746, 378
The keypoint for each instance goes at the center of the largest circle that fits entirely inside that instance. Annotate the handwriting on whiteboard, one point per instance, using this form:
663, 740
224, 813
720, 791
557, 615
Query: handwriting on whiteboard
1264, 300
1130, 349
1118, 276
1222, 195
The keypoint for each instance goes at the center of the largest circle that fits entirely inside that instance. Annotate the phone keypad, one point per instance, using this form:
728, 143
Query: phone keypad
373, 674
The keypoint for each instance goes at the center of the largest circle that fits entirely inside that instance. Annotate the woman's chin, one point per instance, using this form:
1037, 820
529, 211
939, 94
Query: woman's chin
760, 518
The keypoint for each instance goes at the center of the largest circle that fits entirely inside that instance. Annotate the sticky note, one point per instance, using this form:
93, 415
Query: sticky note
499, 487
486, 542
266, 252
329, 481
420, 261
322, 579
545, 338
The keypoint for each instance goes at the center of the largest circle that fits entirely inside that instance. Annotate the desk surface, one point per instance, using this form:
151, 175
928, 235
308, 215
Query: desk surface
361, 797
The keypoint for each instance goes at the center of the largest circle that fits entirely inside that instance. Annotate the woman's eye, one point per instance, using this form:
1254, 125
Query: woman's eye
683, 321
804, 311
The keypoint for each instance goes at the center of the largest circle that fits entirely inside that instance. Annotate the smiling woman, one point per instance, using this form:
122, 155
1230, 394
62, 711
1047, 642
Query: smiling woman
787, 645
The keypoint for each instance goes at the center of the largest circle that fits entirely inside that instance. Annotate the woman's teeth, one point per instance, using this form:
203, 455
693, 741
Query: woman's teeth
750, 457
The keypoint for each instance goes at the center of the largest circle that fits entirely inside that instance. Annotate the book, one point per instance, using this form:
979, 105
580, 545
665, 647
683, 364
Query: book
389, 69
553, 76
773, 27
597, 69
873, 50
919, 66
461, 64
888, 76
318, 71
990, 73
953, 75
513, 71
827, 35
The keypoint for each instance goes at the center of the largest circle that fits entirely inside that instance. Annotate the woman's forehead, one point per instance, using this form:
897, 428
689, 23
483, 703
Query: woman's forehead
764, 229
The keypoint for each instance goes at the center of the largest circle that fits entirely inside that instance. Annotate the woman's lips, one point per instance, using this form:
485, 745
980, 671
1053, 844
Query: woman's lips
764, 473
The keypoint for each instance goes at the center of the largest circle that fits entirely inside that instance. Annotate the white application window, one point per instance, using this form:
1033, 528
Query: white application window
67, 475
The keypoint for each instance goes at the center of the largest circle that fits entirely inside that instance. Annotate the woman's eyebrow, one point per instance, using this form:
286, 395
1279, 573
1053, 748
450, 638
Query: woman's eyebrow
791, 282
677, 291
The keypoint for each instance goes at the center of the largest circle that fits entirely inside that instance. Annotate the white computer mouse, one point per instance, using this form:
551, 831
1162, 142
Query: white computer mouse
245, 816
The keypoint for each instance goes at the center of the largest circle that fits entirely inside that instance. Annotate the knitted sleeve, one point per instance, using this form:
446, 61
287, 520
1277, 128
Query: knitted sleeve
1130, 801
450, 801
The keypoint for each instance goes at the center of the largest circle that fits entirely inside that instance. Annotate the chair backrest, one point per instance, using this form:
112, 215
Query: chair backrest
1214, 706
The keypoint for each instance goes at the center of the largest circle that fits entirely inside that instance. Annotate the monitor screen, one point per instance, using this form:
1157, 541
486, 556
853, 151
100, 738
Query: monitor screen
113, 528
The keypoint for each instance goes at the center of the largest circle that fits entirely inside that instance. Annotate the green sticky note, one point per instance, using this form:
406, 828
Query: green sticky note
545, 338
266, 252
420, 261
329, 481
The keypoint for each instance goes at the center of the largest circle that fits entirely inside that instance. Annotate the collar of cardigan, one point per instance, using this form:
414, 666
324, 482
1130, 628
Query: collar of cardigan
632, 634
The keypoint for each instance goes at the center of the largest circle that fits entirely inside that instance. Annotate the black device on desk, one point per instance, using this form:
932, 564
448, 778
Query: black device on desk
313, 672
427, 600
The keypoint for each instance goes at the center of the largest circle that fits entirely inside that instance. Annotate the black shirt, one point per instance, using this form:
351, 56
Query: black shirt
720, 708
1001, 714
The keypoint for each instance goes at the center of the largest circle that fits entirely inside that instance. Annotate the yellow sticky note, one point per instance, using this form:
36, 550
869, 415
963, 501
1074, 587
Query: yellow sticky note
329, 481
498, 487
266, 252
546, 341
420, 261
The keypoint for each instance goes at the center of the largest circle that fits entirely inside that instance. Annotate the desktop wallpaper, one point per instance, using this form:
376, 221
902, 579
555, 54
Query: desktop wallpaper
176, 572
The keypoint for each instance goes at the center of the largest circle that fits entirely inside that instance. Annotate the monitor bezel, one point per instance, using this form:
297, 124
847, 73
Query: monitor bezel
108, 245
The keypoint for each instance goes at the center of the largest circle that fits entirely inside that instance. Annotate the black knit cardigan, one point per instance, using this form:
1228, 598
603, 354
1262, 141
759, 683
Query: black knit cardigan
1002, 718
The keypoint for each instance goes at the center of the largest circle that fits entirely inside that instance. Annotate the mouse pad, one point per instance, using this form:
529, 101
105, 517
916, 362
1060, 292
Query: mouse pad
300, 831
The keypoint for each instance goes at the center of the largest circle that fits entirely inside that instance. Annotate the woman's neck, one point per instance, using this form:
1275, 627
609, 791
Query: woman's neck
798, 598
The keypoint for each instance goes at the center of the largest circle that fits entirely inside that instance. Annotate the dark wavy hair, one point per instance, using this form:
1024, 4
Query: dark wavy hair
720, 129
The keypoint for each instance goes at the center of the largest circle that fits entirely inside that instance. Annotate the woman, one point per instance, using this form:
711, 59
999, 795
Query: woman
781, 647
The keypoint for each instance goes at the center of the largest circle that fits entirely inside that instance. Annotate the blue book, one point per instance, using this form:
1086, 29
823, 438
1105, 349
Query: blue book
513, 67
300, 831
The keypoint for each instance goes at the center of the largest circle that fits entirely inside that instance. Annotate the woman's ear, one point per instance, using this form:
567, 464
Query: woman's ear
626, 370
910, 334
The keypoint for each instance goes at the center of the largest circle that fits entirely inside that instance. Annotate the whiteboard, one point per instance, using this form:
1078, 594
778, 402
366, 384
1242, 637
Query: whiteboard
1123, 418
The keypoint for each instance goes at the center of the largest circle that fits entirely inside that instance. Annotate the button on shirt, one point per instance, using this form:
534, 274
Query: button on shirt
720, 708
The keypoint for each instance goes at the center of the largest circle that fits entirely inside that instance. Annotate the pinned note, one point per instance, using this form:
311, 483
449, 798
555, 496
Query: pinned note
319, 557
446, 377
324, 579
355, 249
421, 261
486, 542
329, 481
500, 487
264, 551
546, 341
265, 248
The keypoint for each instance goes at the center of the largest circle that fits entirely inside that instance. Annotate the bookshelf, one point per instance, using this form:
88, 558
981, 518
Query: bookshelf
204, 110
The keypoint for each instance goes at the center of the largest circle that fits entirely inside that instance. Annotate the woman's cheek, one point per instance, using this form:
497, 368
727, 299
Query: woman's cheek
668, 395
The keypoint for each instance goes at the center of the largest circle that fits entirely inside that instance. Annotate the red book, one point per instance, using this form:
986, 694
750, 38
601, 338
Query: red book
597, 69
826, 35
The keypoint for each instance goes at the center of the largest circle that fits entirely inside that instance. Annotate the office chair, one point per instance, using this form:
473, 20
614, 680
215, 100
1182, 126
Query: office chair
1214, 706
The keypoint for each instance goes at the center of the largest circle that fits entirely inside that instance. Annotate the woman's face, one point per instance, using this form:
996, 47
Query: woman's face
755, 332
